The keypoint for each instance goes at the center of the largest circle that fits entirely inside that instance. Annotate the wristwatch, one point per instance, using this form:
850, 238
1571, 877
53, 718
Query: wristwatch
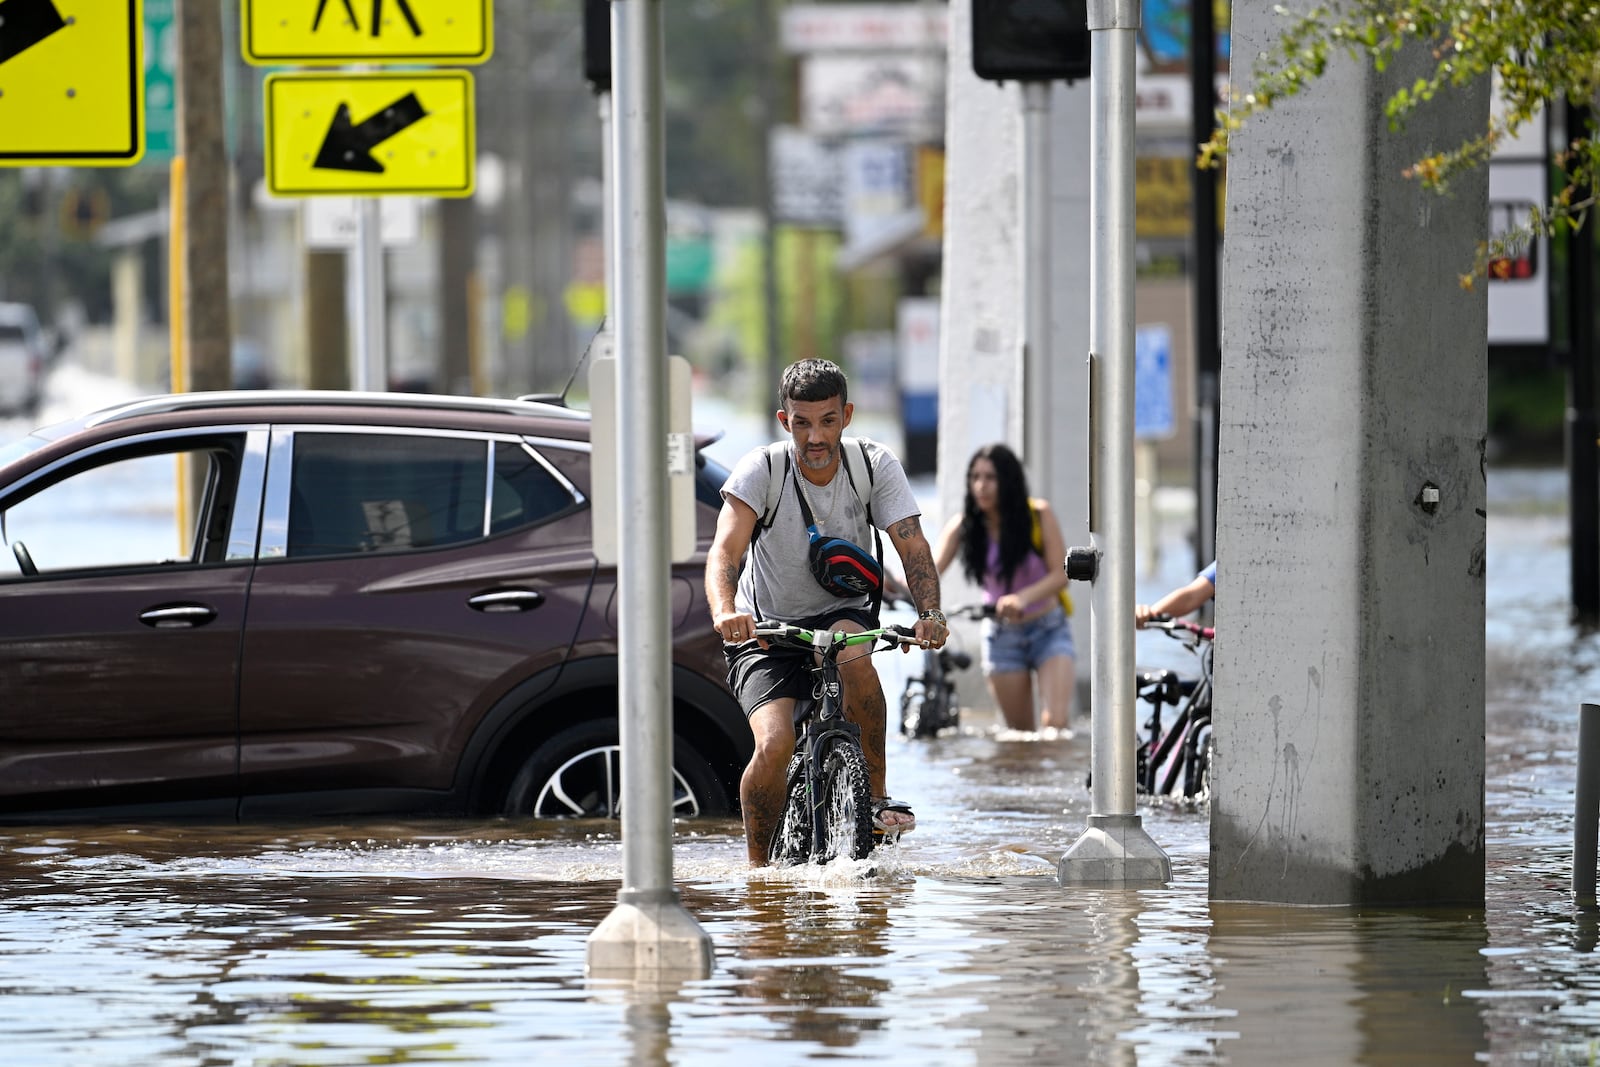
934, 614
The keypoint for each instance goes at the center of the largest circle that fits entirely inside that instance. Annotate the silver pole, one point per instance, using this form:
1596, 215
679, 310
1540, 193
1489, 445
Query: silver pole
643, 577
1111, 331
608, 213
356, 257
373, 349
1115, 847
1035, 226
649, 929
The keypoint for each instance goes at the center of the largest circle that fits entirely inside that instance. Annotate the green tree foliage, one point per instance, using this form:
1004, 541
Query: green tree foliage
1541, 53
43, 252
714, 66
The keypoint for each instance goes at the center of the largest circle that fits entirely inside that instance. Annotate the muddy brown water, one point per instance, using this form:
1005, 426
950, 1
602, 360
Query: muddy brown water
464, 943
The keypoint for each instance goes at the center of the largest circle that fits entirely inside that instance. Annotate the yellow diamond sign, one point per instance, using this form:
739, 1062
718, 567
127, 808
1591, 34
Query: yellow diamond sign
287, 32
370, 134
71, 82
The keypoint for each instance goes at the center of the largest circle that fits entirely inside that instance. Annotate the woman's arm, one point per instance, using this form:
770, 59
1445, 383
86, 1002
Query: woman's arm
1055, 556
944, 553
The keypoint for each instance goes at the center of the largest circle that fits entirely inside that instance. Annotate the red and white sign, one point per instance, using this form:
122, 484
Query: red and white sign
863, 27
846, 94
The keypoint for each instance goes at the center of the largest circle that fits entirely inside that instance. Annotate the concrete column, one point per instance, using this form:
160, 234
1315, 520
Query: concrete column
981, 393
1349, 664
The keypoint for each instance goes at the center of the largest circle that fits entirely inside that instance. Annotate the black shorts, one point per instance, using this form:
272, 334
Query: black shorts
759, 675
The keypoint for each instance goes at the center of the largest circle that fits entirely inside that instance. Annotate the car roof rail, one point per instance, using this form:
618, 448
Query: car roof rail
172, 402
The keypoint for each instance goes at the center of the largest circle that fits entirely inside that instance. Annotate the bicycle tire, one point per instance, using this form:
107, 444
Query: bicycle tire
846, 799
791, 839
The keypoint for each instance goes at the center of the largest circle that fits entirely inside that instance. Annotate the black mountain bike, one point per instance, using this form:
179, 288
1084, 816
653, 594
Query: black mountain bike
929, 703
827, 810
1176, 761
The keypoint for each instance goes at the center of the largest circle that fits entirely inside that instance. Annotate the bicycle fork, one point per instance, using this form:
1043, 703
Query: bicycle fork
816, 751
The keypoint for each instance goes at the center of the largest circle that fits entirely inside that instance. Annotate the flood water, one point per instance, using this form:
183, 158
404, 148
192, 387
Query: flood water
452, 943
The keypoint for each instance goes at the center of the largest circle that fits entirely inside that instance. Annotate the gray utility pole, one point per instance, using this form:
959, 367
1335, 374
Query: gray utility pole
1035, 227
649, 933
207, 332
1114, 849
370, 369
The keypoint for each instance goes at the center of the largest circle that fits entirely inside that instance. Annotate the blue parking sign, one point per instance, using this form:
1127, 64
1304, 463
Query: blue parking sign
1152, 382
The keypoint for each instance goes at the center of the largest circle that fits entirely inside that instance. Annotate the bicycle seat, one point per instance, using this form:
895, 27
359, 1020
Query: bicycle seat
959, 660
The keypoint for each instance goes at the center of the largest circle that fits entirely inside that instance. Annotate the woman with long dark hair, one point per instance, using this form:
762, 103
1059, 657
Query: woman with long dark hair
1005, 539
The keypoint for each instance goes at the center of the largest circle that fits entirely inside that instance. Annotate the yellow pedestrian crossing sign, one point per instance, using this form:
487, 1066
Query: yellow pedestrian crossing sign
71, 82
370, 134
287, 32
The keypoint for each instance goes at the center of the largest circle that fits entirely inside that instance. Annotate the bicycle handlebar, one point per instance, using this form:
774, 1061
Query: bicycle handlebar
832, 641
1171, 626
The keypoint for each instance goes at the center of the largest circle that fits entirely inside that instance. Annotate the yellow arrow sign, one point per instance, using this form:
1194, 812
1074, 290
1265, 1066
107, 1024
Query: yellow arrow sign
71, 82
370, 134
276, 32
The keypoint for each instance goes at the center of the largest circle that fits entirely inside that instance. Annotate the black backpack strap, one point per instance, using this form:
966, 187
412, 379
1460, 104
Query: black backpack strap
866, 502
766, 518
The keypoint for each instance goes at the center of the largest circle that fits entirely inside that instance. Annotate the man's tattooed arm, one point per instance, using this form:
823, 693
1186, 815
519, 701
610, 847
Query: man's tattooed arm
916, 557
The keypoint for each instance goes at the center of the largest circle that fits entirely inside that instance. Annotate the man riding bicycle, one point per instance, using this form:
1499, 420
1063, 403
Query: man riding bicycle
806, 566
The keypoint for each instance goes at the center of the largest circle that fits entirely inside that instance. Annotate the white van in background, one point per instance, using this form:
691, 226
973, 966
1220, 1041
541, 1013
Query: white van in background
22, 359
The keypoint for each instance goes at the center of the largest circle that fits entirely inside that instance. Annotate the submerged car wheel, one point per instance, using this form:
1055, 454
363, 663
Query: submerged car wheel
578, 774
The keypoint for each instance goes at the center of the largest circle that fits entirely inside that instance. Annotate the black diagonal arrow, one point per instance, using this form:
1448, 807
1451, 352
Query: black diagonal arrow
349, 147
24, 23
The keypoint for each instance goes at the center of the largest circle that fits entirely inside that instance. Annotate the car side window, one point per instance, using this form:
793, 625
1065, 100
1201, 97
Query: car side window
63, 527
363, 492
525, 491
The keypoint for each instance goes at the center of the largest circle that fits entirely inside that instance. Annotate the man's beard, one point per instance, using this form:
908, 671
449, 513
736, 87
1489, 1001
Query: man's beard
814, 463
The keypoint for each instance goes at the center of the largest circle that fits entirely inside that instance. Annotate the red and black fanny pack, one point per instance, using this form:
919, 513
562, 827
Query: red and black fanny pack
839, 565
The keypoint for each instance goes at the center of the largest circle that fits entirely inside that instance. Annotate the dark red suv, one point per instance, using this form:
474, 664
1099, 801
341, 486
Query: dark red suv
384, 604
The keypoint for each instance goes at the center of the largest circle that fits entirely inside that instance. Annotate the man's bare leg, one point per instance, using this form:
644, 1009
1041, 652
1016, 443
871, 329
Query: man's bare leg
761, 787
865, 706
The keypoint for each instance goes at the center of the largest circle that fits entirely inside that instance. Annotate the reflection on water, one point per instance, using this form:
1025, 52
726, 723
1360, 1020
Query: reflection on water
430, 943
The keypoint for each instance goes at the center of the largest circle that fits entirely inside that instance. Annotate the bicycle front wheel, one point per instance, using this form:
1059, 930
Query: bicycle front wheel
791, 841
846, 799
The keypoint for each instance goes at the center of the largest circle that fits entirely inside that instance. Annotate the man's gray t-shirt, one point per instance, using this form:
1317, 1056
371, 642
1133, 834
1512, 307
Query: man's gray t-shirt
777, 576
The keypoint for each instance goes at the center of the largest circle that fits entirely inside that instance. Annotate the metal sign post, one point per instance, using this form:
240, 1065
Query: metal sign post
367, 133
649, 933
1114, 849
1035, 226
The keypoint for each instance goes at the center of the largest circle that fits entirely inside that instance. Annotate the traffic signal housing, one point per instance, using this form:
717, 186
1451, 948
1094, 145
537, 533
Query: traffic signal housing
1030, 40
597, 44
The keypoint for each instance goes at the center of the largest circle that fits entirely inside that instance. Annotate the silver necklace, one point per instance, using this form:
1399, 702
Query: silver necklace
833, 499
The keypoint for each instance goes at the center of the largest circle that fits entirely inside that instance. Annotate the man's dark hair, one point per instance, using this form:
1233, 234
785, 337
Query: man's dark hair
812, 380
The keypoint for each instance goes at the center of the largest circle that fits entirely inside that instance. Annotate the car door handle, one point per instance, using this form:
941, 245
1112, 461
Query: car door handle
506, 600
177, 616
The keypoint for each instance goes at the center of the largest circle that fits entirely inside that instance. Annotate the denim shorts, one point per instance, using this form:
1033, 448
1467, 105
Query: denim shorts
1023, 646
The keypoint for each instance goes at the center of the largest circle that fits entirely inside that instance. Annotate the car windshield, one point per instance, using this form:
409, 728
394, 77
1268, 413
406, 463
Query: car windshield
9, 332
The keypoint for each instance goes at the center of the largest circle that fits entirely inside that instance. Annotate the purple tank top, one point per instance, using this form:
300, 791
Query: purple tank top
1030, 570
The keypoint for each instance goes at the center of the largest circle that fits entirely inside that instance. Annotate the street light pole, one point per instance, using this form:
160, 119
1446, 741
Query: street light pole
1114, 849
1035, 226
649, 932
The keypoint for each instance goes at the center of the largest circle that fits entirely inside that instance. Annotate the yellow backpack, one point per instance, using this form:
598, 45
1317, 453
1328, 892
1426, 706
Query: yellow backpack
1038, 546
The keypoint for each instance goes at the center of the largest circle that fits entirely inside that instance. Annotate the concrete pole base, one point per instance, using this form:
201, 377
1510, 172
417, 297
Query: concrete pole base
1114, 850
649, 933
